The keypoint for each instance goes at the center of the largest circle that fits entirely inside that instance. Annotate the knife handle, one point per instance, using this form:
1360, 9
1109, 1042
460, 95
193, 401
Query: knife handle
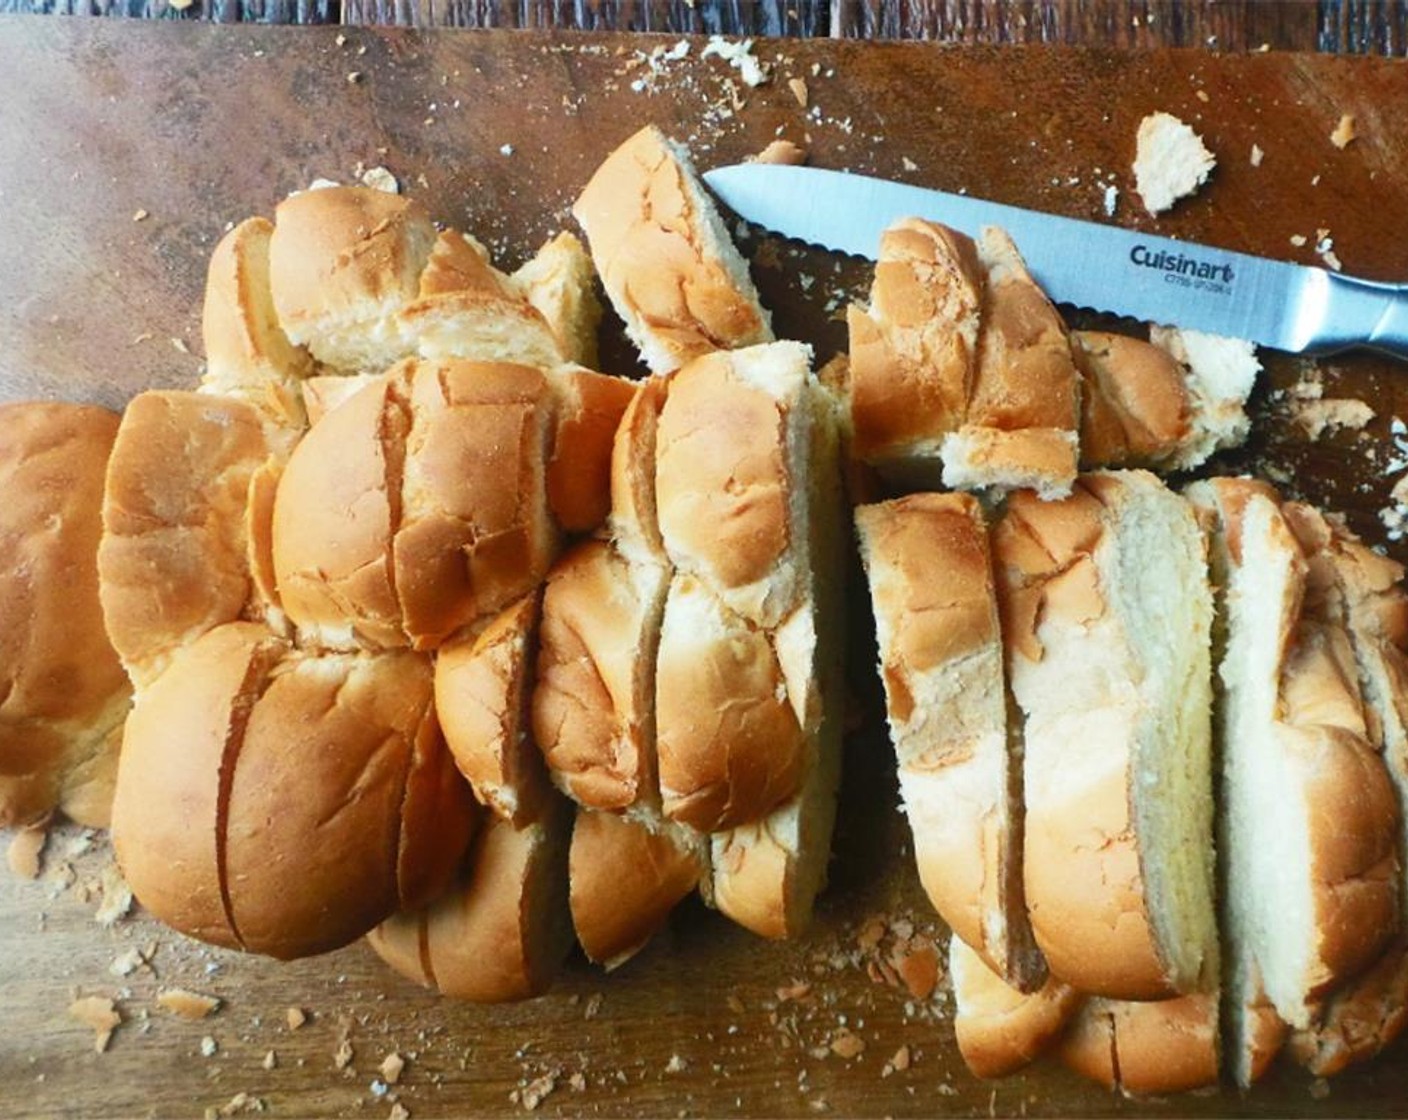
1369, 314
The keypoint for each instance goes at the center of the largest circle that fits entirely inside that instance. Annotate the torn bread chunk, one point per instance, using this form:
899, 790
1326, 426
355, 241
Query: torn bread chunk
483, 682
559, 281
1170, 162
941, 661
247, 353
1135, 407
503, 930
1219, 374
626, 877
1309, 819
1107, 612
1146, 1047
667, 262
998, 1028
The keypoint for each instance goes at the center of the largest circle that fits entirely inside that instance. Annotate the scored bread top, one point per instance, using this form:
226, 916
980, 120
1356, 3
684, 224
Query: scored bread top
664, 256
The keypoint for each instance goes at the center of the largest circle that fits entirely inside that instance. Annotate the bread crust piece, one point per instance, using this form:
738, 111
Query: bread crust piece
626, 877
664, 256
417, 506
1135, 408
483, 683
587, 410
248, 356
560, 282
1149, 1047
941, 660
998, 1028
175, 502
1110, 667
594, 698
63, 692
343, 262
503, 931
913, 351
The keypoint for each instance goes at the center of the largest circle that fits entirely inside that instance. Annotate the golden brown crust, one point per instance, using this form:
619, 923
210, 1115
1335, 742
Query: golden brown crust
998, 1028
634, 524
664, 257
1141, 1048
325, 392
175, 502
62, 687
1358, 1021
560, 282
458, 263
482, 688
589, 407
1134, 403
614, 913
729, 743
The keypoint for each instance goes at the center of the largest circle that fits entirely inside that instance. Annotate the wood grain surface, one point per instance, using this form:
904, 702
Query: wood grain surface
155, 137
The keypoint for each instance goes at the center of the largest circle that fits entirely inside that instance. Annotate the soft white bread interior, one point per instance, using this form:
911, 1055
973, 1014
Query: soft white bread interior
1107, 614
343, 263
247, 354
63, 692
626, 877
175, 503
503, 930
594, 695
768, 873
417, 506
1309, 818
241, 751
1219, 374
1148, 1047
941, 661
667, 262
483, 684
1025, 387
559, 281
998, 1028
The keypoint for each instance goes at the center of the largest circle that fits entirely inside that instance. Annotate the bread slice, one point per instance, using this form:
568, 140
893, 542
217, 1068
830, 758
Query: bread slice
247, 354
1309, 819
941, 660
175, 502
1023, 416
483, 683
614, 913
998, 1028
1146, 1047
503, 932
667, 262
1107, 612
65, 695
560, 282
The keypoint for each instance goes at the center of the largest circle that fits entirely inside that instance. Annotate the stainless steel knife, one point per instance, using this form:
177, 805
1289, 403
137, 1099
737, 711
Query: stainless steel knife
1176, 283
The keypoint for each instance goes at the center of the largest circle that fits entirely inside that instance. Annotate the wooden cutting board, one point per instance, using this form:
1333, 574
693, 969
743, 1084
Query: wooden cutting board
125, 151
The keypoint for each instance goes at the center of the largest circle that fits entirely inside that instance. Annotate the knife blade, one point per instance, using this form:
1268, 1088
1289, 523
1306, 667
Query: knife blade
1292, 307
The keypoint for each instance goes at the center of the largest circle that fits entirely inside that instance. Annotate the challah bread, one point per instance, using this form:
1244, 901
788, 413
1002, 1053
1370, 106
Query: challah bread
1309, 817
417, 506
483, 683
214, 836
1106, 612
177, 502
502, 931
941, 661
65, 694
247, 354
626, 877
1146, 1047
998, 1028
667, 262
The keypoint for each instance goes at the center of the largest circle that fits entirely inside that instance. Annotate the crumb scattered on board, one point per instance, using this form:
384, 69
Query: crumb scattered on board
781, 151
187, 1004
26, 848
99, 1013
1170, 162
1345, 132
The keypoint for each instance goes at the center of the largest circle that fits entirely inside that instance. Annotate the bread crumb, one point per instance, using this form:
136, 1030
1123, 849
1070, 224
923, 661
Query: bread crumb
798, 86
187, 1004
908, 164
1171, 161
919, 970
354, 77
846, 1044
739, 55
117, 897
127, 963
593, 1007
1111, 199
537, 1091
380, 179
391, 1067
1202, 95
506, 149
179, 345
577, 1082
676, 1064
872, 933
781, 151
798, 990
141, 216
399, 1112
239, 1104
99, 1013
1345, 132
900, 1062
271, 1060
1298, 240
209, 1047
26, 846
1331, 414
1257, 155
342, 1056
295, 1017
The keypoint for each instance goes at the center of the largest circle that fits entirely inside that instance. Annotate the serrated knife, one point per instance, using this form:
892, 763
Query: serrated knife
1284, 306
